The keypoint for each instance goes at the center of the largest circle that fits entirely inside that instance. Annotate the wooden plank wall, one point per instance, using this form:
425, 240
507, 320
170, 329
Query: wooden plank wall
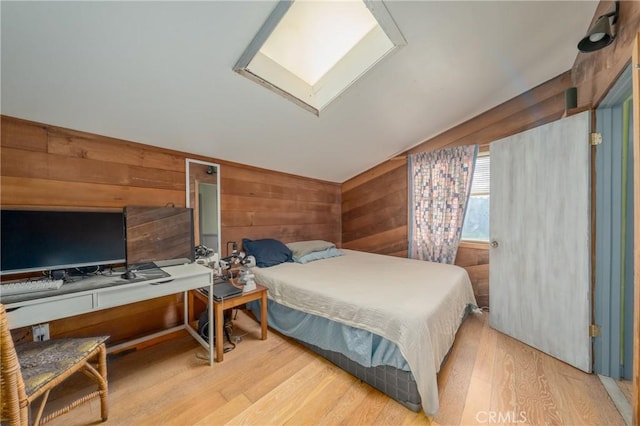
474, 257
263, 204
374, 210
375, 221
52, 167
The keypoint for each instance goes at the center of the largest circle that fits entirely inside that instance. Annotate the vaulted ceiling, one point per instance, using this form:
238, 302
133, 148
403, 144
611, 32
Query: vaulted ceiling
161, 73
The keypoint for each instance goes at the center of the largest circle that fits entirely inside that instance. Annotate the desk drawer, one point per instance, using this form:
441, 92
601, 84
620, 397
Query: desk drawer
49, 310
125, 294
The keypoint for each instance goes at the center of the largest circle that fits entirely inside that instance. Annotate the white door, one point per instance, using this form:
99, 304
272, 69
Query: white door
540, 276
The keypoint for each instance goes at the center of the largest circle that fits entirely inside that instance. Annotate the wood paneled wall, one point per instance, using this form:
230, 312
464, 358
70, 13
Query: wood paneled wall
374, 210
52, 167
263, 204
474, 257
375, 221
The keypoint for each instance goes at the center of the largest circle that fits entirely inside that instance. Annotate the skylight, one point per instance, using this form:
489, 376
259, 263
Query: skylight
311, 51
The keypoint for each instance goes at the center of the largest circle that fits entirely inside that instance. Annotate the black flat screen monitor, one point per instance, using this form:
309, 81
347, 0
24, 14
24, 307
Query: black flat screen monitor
37, 240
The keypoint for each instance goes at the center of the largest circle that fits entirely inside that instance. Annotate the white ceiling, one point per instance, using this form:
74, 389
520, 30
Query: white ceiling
160, 73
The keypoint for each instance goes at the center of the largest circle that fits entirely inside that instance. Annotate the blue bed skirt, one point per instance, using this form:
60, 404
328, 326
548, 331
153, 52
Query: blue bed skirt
363, 347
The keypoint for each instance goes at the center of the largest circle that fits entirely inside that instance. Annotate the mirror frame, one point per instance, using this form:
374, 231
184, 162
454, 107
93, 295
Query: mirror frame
188, 162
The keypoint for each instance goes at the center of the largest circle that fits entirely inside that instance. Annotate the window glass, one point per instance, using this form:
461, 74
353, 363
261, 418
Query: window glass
476, 220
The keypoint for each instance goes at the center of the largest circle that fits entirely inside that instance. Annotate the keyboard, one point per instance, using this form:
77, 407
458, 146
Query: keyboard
29, 286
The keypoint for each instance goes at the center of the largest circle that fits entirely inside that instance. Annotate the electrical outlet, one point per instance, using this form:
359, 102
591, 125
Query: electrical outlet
40, 332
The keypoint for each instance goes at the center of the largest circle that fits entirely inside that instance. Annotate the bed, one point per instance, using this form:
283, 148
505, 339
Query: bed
390, 321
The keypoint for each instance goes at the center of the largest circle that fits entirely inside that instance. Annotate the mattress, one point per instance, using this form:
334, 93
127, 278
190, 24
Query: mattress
397, 384
416, 305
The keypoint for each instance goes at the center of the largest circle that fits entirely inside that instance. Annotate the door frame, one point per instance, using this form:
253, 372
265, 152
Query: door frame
607, 296
636, 232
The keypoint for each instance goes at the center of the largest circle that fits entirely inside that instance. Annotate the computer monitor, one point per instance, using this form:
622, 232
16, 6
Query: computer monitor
43, 240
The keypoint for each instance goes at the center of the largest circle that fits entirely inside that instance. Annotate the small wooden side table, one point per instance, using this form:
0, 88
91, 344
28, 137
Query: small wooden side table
220, 306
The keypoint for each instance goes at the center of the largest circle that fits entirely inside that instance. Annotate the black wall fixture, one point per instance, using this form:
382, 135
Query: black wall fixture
600, 34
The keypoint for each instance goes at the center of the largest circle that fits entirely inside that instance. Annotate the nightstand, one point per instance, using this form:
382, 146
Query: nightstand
260, 293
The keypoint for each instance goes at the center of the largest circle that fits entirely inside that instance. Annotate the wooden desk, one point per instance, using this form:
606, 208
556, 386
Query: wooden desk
219, 307
106, 292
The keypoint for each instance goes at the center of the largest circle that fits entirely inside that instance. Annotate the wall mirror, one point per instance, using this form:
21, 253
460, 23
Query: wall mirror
203, 196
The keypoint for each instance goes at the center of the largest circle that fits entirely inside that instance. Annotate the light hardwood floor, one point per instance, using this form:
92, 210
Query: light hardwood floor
488, 378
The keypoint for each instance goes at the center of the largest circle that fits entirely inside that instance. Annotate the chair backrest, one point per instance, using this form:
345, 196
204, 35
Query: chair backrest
14, 398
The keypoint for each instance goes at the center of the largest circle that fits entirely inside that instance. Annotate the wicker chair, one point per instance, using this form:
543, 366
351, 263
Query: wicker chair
31, 370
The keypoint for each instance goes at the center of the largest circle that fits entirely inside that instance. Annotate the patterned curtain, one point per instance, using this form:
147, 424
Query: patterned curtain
439, 186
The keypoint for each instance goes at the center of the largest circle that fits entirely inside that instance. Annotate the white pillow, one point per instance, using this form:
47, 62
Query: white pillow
318, 255
302, 248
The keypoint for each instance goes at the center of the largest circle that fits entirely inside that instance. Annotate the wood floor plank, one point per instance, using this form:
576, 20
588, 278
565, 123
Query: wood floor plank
279, 381
412, 418
534, 399
187, 407
288, 398
485, 361
566, 408
503, 384
263, 384
256, 381
316, 408
390, 416
355, 393
605, 411
576, 392
478, 397
452, 396
225, 413
366, 412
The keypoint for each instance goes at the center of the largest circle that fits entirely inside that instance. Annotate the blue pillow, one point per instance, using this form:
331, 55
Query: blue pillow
317, 255
268, 252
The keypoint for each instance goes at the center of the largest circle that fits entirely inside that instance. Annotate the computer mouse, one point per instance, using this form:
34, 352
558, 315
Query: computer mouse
129, 275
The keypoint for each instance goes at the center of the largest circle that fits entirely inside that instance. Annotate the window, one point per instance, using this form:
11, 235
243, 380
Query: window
476, 220
311, 51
